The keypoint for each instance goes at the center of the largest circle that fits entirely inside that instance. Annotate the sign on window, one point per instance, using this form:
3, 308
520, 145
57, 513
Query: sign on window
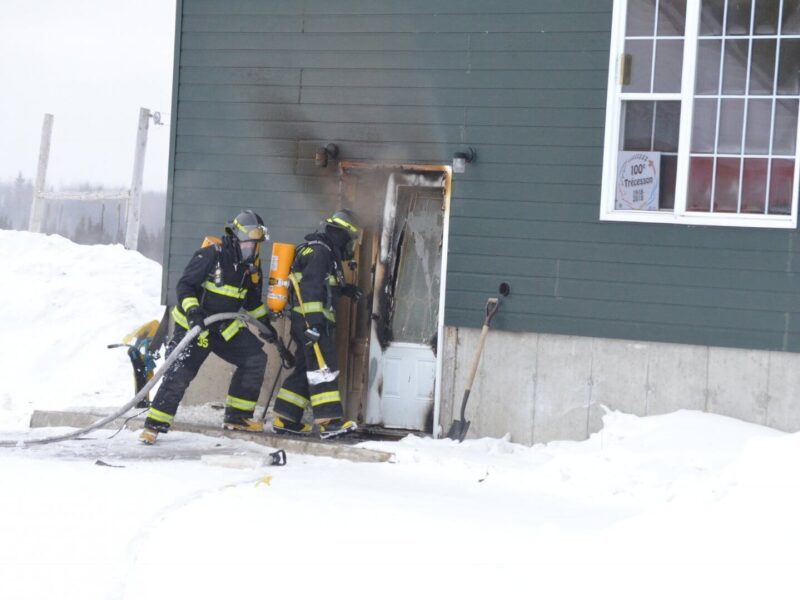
637, 180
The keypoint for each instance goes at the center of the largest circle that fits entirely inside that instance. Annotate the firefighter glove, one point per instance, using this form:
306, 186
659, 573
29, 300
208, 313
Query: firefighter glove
352, 292
287, 358
196, 317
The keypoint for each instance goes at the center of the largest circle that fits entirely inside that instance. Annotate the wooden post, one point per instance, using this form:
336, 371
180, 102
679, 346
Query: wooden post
134, 209
37, 205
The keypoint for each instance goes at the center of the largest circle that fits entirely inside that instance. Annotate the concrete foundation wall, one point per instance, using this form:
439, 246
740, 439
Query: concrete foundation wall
543, 387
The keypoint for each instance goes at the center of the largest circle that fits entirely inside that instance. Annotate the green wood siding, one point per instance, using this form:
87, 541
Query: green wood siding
259, 85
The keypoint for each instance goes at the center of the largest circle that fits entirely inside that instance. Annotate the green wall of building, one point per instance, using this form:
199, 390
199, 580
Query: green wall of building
259, 85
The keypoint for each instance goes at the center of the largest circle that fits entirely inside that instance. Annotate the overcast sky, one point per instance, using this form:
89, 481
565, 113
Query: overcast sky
92, 64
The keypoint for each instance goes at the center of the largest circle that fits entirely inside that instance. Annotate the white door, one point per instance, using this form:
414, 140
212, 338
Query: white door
402, 365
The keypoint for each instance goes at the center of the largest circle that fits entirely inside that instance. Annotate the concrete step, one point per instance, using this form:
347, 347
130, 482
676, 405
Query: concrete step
331, 448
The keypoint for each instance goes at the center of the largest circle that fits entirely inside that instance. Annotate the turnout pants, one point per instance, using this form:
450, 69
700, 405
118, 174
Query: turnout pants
243, 350
296, 393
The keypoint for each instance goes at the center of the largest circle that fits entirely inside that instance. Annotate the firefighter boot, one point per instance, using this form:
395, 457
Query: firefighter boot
336, 427
243, 424
281, 425
148, 436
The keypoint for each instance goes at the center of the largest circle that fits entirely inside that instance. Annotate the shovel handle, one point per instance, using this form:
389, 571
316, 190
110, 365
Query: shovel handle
320, 359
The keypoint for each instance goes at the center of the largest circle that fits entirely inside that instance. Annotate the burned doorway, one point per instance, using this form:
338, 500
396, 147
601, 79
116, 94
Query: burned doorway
392, 365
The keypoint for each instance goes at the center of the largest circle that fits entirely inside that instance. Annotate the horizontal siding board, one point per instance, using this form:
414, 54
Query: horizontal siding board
543, 42
238, 93
529, 117
634, 236
538, 77
239, 76
237, 146
678, 333
638, 312
561, 22
542, 61
449, 97
319, 113
275, 207
338, 42
270, 198
540, 41
682, 297
709, 277
323, 60
370, 7
551, 270
217, 180
530, 124
241, 24
320, 131
581, 249
234, 164
591, 137
513, 192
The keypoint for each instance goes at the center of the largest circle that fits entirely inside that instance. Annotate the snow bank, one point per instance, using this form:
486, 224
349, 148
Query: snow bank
62, 304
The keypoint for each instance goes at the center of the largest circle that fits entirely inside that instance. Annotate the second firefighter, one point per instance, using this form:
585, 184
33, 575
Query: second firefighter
317, 284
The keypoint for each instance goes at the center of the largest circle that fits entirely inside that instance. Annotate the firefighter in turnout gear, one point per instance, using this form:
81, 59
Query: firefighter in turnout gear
317, 284
219, 278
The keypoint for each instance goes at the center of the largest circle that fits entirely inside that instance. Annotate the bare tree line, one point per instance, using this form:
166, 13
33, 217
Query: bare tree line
85, 222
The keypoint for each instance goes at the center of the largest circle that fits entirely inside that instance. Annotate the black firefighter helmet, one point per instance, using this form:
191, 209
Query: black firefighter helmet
248, 230
343, 220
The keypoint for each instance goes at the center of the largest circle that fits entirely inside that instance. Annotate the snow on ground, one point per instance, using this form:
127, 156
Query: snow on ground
685, 505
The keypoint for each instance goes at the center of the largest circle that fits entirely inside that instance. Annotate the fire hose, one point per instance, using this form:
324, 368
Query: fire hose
142, 393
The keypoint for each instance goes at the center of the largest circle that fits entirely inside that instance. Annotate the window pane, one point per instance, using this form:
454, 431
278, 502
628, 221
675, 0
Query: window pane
784, 139
704, 125
707, 78
754, 185
767, 17
641, 17
671, 17
666, 187
638, 123
667, 127
780, 187
789, 70
700, 179
641, 53
669, 65
759, 123
731, 120
711, 15
791, 17
738, 17
726, 185
735, 69
762, 67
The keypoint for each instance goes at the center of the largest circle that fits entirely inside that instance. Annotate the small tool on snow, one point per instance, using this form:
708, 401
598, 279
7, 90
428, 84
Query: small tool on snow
458, 429
278, 457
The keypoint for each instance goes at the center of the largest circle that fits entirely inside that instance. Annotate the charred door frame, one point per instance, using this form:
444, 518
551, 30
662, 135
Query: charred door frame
401, 169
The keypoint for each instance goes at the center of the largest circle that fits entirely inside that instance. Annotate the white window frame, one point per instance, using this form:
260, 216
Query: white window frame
679, 214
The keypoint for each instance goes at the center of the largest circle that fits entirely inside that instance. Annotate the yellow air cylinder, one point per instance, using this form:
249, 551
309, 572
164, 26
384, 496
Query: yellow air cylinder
279, 266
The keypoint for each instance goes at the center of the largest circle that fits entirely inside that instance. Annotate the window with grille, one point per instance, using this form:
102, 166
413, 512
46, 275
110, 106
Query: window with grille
702, 117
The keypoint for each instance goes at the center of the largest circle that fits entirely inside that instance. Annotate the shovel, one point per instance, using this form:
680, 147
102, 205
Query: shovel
458, 429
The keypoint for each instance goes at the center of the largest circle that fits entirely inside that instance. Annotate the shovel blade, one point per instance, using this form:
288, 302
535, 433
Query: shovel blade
458, 430
321, 376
